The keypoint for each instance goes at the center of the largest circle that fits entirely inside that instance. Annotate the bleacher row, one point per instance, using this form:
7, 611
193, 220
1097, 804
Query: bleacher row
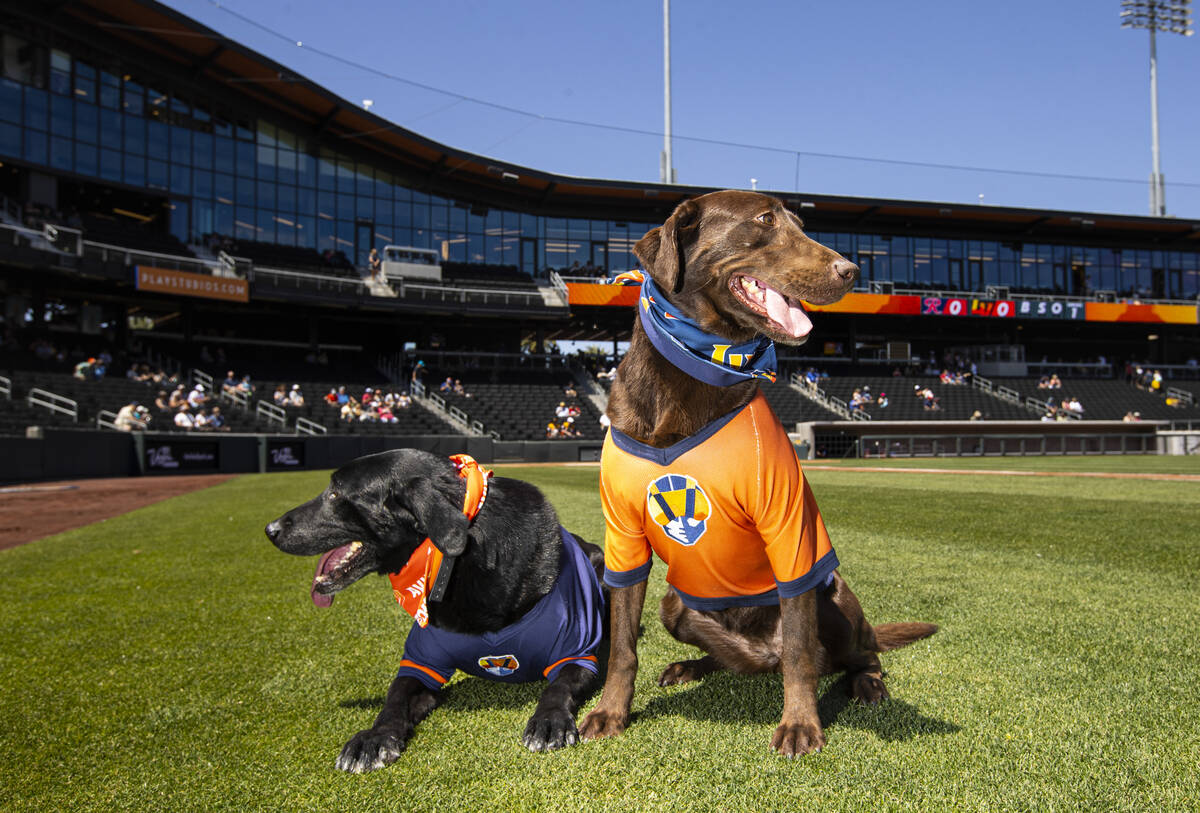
520, 406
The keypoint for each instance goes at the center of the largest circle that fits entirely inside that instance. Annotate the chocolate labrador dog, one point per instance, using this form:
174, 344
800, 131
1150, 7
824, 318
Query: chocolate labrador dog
761, 592
522, 599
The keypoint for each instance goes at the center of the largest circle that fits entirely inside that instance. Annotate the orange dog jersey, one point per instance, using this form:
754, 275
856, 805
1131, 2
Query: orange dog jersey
727, 509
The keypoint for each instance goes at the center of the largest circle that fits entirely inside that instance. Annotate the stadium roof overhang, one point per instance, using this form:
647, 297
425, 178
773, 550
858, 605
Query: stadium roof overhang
202, 54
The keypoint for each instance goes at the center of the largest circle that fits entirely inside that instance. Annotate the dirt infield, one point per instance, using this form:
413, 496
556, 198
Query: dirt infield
38, 510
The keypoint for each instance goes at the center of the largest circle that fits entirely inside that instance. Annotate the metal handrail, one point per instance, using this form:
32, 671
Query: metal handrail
106, 419
270, 413
6, 387
53, 402
306, 427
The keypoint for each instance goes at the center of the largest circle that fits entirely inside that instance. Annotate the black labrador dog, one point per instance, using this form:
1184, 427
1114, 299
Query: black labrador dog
515, 576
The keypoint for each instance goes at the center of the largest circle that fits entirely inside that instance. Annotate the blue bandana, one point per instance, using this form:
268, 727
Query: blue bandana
709, 358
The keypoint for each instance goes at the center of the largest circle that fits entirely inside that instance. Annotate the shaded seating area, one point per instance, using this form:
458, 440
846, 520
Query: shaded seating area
792, 407
520, 407
478, 275
294, 258
1105, 400
127, 233
413, 420
957, 402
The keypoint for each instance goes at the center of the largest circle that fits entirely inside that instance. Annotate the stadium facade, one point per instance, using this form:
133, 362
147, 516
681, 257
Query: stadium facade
129, 107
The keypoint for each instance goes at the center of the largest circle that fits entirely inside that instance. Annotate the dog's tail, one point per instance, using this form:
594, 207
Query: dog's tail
903, 633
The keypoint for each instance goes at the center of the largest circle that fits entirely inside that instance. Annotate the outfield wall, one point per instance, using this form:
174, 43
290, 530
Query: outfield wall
66, 454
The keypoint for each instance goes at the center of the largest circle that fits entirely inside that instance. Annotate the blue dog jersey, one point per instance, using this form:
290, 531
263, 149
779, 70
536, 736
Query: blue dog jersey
563, 627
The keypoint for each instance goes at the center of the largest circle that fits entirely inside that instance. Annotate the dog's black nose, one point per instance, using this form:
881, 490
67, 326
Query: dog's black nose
845, 269
273, 530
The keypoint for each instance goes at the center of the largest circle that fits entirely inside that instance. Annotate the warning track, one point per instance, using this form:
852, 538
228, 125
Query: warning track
1106, 475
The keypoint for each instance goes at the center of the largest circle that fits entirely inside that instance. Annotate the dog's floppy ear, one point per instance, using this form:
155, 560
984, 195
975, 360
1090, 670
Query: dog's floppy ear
437, 515
661, 250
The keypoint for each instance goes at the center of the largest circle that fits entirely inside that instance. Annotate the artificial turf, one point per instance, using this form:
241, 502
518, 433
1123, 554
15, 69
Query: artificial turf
170, 659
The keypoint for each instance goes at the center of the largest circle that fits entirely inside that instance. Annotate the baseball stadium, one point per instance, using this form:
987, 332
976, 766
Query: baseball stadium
218, 289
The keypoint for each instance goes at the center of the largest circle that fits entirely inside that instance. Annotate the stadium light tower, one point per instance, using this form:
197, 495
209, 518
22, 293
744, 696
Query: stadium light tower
1173, 17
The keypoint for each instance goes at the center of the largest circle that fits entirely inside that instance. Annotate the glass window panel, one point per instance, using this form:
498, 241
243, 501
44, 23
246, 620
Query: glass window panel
245, 159
285, 229
60, 153
306, 200
403, 237
306, 231
10, 139
110, 129
285, 139
244, 227
245, 191
364, 208
266, 133
60, 72
345, 175
286, 198
202, 150
110, 165
327, 171
402, 214
181, 145
475, 249
202, 217
180, 106
420, 217
62, 116
306, 169
85, 83
223, 128
135, 170
223, 218
365, 180
181, 179
35, 108
202, 181
383, 210
10, 101
223, 154
200, 113
440, 218
35, 147
326, 235
85, 122
156, 103
134, 98
156, 140
345, 238
242, 130
266, 226
285, 161
223, 187
327, 205
265, 158
156, 174
86, 159
345, 207
265, 191
419, 197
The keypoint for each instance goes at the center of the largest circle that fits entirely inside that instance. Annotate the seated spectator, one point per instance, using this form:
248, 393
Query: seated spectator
1156, 380
131, 417
384, 411
946, 377
447, 385
245, 386
295, 398
976, 416
216, 421
567, 429
162, 401
351, 411
403, 401
342, 397
281, 395
569, 391
230, 384
197, 397
459, 389
83, 370
1055, 382
882, 401
184, 418
1072, 405
330, 397
1132, 417
177, 399
551, 430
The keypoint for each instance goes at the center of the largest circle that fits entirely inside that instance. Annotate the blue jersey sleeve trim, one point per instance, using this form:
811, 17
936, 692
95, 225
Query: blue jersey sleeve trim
426, 679
705, 603
627, 578
819, 576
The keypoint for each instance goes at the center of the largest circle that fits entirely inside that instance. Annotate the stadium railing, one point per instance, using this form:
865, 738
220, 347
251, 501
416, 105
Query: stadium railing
830, 402
53, 402
306, 427
6, 387
270, 413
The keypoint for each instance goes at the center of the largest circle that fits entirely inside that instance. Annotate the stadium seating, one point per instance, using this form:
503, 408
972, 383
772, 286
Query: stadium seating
118, 231
294, 258
957, 401
792, 407
415, 420
521, 406
1104, 400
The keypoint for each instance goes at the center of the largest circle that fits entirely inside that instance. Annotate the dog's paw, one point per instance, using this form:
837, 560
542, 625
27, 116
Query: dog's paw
599, 724
797, 739
549, 731
369, 750
868, 688
678, 672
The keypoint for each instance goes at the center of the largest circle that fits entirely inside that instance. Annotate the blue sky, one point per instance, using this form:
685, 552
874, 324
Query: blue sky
1034, 87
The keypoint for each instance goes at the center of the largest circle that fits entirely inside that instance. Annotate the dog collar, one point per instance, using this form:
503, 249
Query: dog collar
427, 572
702, 355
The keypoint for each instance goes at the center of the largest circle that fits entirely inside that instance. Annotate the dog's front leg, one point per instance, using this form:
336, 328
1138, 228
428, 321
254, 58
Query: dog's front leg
407, 703
611, 715
800, 730
552, 725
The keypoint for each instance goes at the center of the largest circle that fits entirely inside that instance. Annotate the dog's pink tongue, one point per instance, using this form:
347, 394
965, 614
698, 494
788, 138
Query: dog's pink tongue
325, 564
789, 316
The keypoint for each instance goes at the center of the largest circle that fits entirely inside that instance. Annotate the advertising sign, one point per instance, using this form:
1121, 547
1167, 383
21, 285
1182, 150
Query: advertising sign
285, 454
182, 455
184, 283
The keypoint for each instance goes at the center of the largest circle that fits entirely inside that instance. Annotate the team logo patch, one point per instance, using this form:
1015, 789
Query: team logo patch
678, 504
499, 665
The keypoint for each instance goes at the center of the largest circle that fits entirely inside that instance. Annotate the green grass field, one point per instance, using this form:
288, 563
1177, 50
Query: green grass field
170, 659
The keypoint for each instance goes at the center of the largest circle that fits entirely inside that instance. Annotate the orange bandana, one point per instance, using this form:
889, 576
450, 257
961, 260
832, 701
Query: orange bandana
423, 576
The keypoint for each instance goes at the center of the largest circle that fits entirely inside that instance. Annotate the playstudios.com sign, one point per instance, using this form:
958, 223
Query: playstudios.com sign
184, 283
